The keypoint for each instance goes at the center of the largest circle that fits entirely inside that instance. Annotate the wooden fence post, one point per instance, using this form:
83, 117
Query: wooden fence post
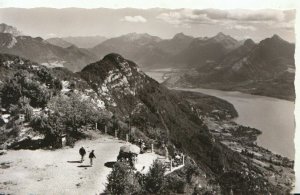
166, 153
127, 137
105, 129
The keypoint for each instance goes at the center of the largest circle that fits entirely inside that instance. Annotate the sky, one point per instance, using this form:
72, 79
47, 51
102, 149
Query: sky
173, 4
165, 23
254, 19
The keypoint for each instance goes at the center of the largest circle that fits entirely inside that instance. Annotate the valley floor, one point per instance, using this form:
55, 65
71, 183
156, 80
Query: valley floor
58, 171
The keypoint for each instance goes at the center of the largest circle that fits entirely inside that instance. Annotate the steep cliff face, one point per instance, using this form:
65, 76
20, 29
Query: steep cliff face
114, 79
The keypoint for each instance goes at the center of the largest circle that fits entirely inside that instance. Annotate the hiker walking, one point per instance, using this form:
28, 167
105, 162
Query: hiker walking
82, 152
143, 146
91, 156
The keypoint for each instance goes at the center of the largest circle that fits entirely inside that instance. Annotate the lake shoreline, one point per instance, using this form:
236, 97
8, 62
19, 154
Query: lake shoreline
233, 92
243, 103
162, 75
218, 115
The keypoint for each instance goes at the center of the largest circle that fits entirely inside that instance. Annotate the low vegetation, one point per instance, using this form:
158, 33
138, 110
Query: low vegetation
124, 180
36, 94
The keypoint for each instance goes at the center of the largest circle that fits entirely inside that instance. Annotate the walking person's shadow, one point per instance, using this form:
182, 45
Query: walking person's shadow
84, 166
79, 161
74, 161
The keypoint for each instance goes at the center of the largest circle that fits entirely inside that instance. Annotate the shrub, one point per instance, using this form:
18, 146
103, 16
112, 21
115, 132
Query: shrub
74, 112
15, 130
24, 85
190, 170
40, 123
25, 108
44, 75
11, 92
174, 184
154, 180
38, 94
122, 180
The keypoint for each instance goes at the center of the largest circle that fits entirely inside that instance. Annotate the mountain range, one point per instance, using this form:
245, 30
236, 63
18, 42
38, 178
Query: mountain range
81, 42
266, 68
222, 62
39, 50
59, 42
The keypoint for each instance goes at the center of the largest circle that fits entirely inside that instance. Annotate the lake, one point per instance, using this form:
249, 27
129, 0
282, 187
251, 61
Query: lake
159, 74
274, 117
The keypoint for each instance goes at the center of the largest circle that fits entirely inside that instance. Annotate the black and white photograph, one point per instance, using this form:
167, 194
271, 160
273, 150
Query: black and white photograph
148, 97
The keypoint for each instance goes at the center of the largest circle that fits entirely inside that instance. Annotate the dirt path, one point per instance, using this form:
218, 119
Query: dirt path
49, 172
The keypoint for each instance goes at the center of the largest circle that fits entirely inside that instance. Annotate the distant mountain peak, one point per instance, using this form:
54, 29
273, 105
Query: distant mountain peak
135, 35
4, 28
84, 41
249, 42
59, 42
72, 47
277, 37
181, 35
138, 38
220, 34
226, 40
221, 37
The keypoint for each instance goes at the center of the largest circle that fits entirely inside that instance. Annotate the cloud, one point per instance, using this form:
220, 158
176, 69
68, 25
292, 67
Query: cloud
184, 18
50, 35
289, 26
232, 18
242, 27
243, 15
134, 19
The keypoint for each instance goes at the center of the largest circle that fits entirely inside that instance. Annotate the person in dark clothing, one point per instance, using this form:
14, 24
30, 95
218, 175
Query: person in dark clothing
91, 156
82, 153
